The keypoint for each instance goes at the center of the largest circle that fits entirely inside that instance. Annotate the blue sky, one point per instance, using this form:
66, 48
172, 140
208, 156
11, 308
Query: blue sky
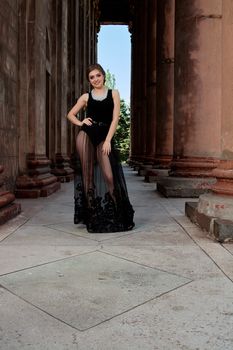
114, 54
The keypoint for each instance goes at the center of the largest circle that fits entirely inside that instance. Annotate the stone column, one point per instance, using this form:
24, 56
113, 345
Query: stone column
165, 82
36, 179
61, 168
214, 212
143, 35
224, 173
71, 71
86, 19
197, 103
134, 145
85, 52
95, 28
138, 82
9, 82
150, 118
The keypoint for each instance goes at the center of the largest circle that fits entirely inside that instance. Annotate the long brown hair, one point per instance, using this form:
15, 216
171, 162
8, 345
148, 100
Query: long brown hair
95, 66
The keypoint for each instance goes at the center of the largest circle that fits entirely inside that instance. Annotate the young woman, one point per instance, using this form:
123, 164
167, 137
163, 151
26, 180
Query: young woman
101, 198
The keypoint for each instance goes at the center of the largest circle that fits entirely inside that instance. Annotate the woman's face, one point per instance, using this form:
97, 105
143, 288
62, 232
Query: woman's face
96, 78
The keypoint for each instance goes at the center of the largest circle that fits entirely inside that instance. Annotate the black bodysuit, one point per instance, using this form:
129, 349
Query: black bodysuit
101, 114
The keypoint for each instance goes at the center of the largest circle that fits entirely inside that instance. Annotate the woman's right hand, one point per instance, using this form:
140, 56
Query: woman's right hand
87, 121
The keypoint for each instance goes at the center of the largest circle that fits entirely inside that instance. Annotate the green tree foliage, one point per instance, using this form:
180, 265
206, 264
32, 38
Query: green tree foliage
122, 135
110, 80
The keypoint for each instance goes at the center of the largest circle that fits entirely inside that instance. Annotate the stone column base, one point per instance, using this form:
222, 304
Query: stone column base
153, 175
38, 182
224, 184
144, 168
214, 214
39, 186
62, 169
163, 162
135, 164
184, 187
193, 167
8, 209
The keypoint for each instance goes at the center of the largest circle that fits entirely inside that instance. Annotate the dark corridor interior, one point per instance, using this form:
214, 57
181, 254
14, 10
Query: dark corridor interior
114, 11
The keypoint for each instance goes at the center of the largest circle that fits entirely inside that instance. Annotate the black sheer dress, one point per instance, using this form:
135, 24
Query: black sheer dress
101, 198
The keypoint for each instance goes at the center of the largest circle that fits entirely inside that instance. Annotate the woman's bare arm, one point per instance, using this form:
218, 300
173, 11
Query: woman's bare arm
82, 102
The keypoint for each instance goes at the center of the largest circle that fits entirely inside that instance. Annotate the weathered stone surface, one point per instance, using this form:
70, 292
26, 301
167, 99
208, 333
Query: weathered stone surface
139, 91
184, 187
109, 275
35, 77
6, 198
197, 100
8, 91
152, 175
9, 212
151, 81
38, 181
224, 176
200, 219
45, 252
216, 206
8, 209
49, 189
165, 81
26, 182
27, 193
219, 229
62, 169
223, 230
224, 172
143, 169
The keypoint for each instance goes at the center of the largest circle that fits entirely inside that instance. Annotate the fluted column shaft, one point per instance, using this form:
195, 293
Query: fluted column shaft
224, 172
165, 82
150, 122
197, 106
139, 81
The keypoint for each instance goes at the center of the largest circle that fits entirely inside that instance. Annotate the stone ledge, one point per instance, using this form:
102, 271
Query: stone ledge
201, 220
220, 229
223, 230
184, 187
152, 175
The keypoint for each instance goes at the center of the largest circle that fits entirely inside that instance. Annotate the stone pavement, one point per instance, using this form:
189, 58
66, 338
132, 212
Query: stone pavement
165, 285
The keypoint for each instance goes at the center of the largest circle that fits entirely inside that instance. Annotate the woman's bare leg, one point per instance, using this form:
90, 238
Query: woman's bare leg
105, 165
85, 150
